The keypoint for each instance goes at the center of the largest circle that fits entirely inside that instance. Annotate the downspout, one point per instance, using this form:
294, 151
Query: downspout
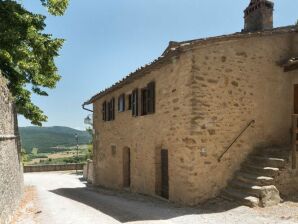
84, 108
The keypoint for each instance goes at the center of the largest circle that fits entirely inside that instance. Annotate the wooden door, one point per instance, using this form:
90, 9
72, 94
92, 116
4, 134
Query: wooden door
126, 168
296, 99
164, 174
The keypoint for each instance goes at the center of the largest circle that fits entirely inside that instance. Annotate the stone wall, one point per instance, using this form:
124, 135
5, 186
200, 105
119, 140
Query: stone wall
205, 96
88, 171
11, 175
145, 136
53, 167
234, 82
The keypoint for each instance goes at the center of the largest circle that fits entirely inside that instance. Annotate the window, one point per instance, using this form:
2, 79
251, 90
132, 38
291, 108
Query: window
104, 111
148, 99
135, 103
144, 101
151, 97
121, 103
129, 101
110, 110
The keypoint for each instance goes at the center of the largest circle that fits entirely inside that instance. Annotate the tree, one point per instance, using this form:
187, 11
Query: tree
27, 54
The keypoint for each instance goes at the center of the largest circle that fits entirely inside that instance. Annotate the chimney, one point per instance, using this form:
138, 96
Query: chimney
258, 16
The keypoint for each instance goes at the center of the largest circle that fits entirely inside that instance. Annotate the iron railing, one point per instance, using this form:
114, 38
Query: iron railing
235, 140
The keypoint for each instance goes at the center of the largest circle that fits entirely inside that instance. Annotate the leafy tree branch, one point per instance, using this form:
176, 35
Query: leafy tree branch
27, 54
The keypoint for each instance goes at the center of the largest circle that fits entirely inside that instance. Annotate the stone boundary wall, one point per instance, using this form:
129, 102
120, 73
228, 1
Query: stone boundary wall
11, 169
47, 168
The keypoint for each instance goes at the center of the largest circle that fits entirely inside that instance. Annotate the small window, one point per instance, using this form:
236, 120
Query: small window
148, 99
104, 111
151, 98
135, 102
111, 110
129, 101
121, 103
144, 101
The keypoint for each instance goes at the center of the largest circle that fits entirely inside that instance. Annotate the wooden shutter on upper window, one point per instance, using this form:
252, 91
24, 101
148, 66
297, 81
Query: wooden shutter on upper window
123, 97
129, 101
113, 109
135, 102
109, 113
119, 103
151, 97
144, 101
104, 111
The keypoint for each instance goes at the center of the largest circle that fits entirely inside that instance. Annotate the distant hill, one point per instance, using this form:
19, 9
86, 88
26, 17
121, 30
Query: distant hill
46, 138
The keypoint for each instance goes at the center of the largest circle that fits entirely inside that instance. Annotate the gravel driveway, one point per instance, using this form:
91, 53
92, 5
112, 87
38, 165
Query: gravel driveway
63, 198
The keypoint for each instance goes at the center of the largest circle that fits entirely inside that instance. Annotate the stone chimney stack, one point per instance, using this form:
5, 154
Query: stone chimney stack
258, 15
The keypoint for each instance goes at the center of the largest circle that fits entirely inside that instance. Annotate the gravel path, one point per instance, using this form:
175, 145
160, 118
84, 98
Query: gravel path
64, 199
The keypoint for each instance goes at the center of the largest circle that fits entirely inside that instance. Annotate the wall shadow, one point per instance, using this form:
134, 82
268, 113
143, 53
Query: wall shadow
129, 207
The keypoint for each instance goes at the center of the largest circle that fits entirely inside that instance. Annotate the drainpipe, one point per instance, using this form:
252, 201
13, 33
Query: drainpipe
84, 108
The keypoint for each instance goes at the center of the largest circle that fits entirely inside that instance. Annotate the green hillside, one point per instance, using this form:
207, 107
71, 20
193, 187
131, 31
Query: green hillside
45, 138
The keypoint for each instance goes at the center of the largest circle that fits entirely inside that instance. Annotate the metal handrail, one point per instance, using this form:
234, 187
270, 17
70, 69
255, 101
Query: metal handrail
241, 133
7, 137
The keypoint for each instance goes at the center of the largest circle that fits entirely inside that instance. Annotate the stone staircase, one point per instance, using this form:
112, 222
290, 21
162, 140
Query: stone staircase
253, 184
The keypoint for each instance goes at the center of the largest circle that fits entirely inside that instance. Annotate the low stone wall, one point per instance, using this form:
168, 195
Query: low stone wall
47, 168
88, 171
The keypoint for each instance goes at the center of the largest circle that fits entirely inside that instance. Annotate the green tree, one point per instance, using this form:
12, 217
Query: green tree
27, 54
34, 151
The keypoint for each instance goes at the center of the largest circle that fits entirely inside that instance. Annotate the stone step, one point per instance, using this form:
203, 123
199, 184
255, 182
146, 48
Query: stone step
240, 197
268, 161
273, 152
263, 171
254, 179
252, 190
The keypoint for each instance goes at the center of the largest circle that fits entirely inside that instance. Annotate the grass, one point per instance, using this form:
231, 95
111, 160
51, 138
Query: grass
66, 156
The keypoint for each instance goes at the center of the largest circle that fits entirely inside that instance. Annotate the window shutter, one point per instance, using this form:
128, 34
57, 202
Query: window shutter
113, 108
104, 111
129, 101
151, 97
123, 98
108, 111
144, 99
135, 103
119, 103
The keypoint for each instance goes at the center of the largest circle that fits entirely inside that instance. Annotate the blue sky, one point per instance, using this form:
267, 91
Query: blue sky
107, 39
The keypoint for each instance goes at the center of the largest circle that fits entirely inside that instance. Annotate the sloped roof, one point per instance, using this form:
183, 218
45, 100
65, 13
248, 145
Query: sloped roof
175, 48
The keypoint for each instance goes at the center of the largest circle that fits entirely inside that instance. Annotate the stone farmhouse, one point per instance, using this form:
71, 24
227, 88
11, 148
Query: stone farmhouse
209, 117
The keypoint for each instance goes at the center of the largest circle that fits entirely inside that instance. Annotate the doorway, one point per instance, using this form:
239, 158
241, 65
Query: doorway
126, 168
296, 99
165, 173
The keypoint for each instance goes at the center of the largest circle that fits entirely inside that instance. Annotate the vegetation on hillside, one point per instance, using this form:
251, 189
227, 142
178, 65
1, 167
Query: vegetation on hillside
70, 155
51, 139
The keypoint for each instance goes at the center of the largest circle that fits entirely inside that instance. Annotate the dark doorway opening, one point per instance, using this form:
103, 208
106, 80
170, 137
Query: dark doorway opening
165, 173
296, 99
126, 168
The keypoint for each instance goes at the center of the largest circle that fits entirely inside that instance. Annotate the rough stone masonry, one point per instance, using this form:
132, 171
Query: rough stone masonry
206, 91
11, 171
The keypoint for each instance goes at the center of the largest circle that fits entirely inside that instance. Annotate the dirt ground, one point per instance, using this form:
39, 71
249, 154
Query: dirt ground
28, 210
63, 197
